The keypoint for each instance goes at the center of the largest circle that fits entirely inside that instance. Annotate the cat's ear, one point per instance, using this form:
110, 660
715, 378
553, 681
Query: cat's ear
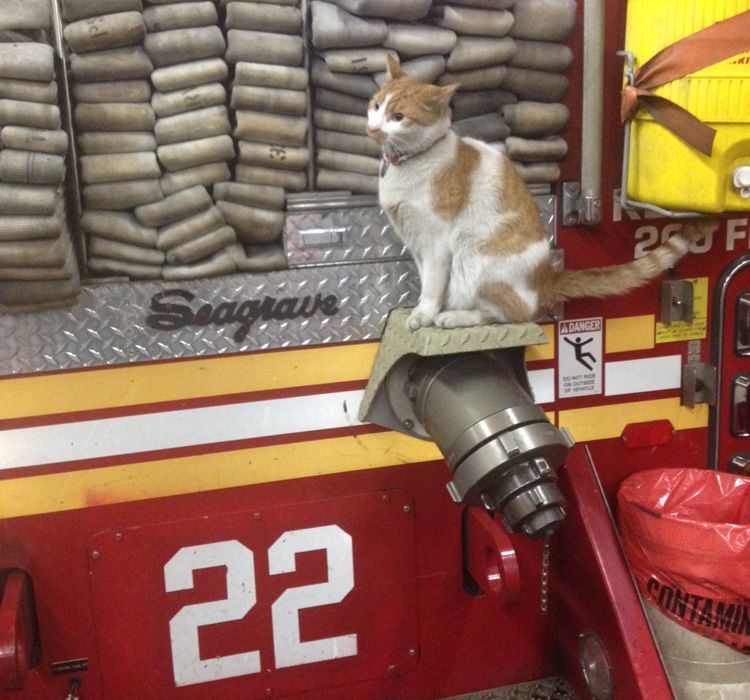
394, 69
444, 94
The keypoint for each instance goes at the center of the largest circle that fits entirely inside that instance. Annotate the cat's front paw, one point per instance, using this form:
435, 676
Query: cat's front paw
422, 315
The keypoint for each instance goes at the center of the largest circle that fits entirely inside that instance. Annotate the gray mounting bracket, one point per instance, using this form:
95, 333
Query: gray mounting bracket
698, 379
571, 203
399, 345
676, 301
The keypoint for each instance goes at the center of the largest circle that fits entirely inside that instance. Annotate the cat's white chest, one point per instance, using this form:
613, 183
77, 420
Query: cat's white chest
404, 184
391, 184
411, 180
404, 203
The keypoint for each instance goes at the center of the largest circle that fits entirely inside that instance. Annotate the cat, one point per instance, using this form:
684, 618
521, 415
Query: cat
470, 222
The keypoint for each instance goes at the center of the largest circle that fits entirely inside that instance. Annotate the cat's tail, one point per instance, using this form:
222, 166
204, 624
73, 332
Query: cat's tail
595, 282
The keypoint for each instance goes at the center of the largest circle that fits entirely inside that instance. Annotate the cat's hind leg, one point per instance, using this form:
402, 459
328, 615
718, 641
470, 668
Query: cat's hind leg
501, 302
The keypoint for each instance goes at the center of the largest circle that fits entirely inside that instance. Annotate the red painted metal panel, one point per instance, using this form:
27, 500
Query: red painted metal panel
359, 547
465, 642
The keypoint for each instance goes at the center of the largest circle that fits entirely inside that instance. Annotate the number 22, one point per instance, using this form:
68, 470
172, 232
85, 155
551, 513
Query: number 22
239, 561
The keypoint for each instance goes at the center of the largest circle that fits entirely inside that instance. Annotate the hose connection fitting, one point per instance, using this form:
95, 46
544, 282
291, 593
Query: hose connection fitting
499, 445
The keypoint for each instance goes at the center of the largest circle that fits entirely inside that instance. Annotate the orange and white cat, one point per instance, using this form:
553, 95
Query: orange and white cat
470, 222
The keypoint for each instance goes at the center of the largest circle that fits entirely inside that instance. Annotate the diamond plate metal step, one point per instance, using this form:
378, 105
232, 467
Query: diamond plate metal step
337, 228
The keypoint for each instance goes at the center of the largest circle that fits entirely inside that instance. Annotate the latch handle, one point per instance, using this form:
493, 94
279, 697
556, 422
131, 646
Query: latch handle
18, 637
74, 687
490, 557
740, 418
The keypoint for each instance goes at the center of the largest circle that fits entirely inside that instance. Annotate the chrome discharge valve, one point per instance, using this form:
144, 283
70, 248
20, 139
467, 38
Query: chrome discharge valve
499, 445
467, 390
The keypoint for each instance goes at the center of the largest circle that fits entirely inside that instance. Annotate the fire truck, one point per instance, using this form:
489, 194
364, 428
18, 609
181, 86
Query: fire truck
260, 484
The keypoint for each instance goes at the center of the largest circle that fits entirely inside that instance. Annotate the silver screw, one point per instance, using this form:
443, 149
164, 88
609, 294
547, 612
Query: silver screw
95, 554
408, 424
407, 508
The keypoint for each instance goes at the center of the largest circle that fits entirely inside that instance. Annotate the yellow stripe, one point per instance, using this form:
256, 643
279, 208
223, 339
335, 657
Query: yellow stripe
124, 483
603, 422
135, 385
138, 384
630, 333
51, 493
543, 352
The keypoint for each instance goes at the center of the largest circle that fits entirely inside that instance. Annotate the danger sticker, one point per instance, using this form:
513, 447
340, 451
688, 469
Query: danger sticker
579, 357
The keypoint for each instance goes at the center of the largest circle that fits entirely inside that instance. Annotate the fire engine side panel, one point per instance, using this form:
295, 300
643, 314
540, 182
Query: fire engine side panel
115, 434
96, 600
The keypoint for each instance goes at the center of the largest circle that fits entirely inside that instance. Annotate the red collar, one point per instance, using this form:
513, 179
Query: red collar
391, 160
396, 160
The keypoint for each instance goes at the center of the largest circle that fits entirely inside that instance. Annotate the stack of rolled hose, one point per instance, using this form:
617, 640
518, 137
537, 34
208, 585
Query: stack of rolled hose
269, 101
507, 56
192, 117
38, 267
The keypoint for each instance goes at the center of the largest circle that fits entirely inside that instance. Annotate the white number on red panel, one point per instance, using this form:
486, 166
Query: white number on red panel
288, 648
188, 666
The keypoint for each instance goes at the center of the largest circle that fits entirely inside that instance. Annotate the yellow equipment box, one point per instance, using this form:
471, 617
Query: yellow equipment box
664, 170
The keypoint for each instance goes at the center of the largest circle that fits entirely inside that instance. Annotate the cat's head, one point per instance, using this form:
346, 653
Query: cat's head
405, 115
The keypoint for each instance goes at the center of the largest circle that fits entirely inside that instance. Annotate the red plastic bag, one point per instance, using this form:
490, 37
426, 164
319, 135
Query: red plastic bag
686, 534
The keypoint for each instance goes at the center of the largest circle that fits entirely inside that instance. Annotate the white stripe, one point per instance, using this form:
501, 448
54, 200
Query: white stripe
542, 383
24, 447
106, 437
637, 376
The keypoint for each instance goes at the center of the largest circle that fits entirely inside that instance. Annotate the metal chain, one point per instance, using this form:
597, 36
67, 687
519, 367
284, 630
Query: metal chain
544, 602
74, 687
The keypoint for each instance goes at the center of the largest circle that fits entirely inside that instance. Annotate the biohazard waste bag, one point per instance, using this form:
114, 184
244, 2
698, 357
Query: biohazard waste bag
686, 534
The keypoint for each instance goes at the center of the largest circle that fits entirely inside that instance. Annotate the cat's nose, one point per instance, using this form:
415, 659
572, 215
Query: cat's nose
372, 130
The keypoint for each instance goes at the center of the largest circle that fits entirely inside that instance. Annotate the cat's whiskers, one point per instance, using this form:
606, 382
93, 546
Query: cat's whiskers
397, 151
394, 151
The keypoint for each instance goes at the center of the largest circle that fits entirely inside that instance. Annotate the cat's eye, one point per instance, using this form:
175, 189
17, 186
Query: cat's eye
398, 116
376, 106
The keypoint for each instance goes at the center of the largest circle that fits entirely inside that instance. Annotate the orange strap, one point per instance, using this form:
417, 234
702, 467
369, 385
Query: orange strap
692, 53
